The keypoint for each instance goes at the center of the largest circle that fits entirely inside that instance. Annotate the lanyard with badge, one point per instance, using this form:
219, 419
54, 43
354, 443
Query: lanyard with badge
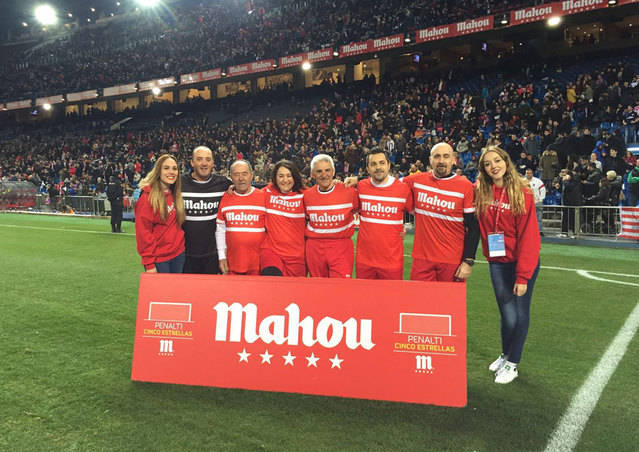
496, 242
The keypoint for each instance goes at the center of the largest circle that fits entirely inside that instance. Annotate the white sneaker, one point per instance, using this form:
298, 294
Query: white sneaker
498, 363
507, 373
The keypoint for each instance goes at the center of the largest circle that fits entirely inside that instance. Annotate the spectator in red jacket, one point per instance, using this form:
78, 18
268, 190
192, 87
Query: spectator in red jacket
159, 214
505, 208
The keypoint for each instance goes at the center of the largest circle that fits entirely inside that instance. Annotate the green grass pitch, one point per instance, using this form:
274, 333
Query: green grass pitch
68, 306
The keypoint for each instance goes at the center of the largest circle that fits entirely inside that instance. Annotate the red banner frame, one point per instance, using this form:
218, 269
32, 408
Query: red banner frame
399, 341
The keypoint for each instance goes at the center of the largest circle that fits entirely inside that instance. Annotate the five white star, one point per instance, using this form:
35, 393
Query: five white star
266, 357
336, 362
288, 358
312, 360
243, 355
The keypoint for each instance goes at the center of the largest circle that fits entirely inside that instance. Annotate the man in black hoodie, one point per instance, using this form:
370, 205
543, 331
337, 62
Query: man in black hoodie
202, 191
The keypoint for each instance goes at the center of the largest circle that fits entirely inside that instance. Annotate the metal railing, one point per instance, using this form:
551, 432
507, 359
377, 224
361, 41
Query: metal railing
82, 205
582, 221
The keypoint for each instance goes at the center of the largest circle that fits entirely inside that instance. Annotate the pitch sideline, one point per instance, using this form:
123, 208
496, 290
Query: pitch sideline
571, 425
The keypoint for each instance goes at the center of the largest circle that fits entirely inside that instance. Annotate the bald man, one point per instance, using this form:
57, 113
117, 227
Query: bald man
446, 230
202, 191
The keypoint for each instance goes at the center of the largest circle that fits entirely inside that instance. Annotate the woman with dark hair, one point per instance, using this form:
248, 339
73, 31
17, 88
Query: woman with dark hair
282, 252
505, 208
159, 214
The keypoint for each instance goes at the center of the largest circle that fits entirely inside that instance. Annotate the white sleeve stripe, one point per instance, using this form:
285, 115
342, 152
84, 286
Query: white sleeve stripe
469, 210
441, 192
380, 221
188, 194
331, 207
287, 198
383, 198
329, 231
437, 215
260, 208
245, 229
285, 214
206, 218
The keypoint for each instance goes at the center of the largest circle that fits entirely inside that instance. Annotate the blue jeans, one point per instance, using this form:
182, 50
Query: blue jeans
514, 310
175, 265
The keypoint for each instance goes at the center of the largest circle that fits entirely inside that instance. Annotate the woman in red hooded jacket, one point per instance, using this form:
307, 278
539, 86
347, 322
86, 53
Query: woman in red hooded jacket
159, 214
505, 208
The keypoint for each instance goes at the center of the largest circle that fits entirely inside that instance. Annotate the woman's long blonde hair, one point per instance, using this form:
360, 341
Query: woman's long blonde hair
156, 196
513, 183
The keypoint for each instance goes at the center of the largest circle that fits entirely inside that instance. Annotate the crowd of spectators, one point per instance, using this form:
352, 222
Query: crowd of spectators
549, 132
205, 35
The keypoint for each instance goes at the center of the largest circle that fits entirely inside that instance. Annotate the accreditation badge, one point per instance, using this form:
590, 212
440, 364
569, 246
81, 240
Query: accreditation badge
496, 245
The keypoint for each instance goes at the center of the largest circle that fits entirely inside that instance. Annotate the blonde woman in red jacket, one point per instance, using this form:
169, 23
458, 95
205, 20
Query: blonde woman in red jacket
505, 208
159, 214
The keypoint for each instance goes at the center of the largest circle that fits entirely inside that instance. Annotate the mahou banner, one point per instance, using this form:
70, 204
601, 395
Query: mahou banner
400, 341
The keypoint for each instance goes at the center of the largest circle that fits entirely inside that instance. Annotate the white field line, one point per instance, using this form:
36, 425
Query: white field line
572, 423
586, 274
40, 228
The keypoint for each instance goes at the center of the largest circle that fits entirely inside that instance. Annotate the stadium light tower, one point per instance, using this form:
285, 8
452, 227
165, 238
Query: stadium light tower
148, 3
45, 14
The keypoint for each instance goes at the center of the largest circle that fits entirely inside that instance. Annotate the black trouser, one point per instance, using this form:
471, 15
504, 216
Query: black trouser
204, 265
568, 219
116, 217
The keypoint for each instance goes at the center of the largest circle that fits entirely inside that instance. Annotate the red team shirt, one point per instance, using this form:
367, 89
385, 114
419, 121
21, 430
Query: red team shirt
330, 214
244, 219
381, 208
285, 222
440, 205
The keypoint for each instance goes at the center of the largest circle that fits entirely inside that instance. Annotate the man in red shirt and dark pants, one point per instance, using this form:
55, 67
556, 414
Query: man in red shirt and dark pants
329, 208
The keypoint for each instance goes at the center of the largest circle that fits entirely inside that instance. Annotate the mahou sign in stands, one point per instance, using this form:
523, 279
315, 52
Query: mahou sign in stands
386, 340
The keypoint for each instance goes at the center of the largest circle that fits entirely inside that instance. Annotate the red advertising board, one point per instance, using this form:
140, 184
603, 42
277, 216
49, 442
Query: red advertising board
196, 77
578, 6
18, 104
251, 68
49, 100
312, 57
82, 95
434, 33
387, 340
372, 45
532, 14
473, 25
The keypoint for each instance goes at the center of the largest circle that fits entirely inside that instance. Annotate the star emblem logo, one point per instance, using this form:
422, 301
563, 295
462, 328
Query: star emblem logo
312, 360
243, 355
266, 357
288, 359
336, 362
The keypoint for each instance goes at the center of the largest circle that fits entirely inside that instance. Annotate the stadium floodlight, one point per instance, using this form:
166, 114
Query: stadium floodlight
46, 107
45, 14
24, 24
148, 3
554, 21
306, 65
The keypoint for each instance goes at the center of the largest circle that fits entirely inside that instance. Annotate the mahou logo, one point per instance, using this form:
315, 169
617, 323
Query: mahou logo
276, 200
435, 201
378, 207
280, 329
326, 218
232, 216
